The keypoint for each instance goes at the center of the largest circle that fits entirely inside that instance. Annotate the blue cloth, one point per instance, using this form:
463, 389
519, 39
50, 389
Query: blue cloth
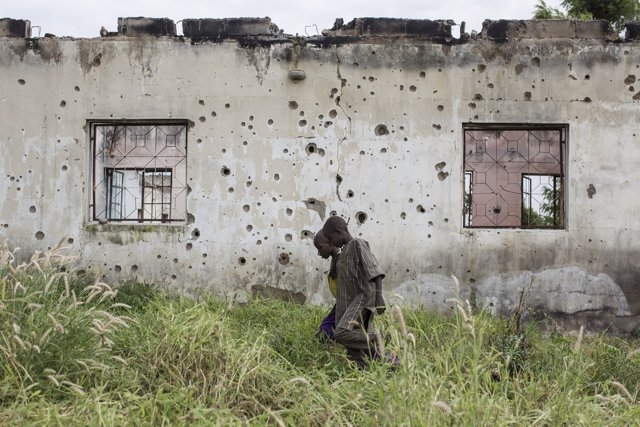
328, 326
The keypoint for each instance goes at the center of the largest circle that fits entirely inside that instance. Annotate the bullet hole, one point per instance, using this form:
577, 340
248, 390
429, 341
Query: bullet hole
189, 246
199, 141
423, 74
270, 122
225, 171
586, 99
242, 260
371, 78
175, 260
227, 105
383, 150
440, 166
333, 114
472, 105
302, 123
258, 242
519, 68
213, 114
446, 220
636, 97
117, 269
134, 268
76, 88
21, 82
428, 236
327, 123
63, 103
203, 119
96, 61
276, 177
243, 124
587, 77
440, 107
306, 234
420, 209
403, 215
361, 217
230, 190
630, 79
63, 167
490, 85
39, 235
289, 212
442, 175
350, 193
201, 102
381, 130
249, 227
527, 96
70, 241
174, 277
311, 148
190, 218
436, 126
401, 87
32, 209
478, 97
412, 88
283, 258
293, 105
195, 234
631, 89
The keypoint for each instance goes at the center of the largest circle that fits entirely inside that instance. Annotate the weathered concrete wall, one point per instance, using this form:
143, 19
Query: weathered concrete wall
253, 227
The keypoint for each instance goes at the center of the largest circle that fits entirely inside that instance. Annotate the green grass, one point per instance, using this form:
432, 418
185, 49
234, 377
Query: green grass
135, 355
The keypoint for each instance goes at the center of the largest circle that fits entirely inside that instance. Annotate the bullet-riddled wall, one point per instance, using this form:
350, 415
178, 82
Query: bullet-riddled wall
368, 122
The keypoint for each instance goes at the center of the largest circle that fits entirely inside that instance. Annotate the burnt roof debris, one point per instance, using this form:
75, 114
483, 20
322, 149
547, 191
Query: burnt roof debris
209, 28
20, 28
141, 26
366, 27
502, 30
632, 30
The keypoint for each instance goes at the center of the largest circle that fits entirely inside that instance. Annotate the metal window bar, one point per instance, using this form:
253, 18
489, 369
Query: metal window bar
468, 199
152, 188
526, 200
115, 193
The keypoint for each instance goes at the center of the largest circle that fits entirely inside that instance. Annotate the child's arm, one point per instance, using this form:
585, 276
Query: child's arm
380, 304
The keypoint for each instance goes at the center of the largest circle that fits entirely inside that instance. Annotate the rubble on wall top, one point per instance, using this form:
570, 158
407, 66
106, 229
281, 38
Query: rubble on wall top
357, 29
140, 26
364, 27
547, 29
632, 30
228, 27
15, 28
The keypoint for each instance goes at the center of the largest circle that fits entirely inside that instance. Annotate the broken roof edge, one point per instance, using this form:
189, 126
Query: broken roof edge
503, 29
264, 31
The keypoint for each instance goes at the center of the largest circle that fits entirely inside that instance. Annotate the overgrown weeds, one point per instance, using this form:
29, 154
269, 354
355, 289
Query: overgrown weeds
76, 351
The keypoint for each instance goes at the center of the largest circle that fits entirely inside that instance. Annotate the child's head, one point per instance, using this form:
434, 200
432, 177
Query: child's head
322, 245
336, 232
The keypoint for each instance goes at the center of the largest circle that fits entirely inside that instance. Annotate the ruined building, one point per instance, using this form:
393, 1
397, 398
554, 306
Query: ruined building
207, 161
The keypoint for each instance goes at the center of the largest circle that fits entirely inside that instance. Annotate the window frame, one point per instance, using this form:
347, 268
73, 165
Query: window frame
562, 128
95, 171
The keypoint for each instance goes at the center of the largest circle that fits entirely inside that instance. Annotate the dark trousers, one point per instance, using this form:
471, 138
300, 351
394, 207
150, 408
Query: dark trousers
357, 338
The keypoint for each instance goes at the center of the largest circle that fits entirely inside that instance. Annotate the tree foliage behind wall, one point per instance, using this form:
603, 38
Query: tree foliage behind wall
614, 11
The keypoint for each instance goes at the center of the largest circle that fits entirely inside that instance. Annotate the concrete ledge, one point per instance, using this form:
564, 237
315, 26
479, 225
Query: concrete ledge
20, 28
632, 30
228, 27
547, 29
140, 26
392, 27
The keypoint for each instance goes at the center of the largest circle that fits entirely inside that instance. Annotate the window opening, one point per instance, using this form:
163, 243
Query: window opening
139, 172
514, 176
